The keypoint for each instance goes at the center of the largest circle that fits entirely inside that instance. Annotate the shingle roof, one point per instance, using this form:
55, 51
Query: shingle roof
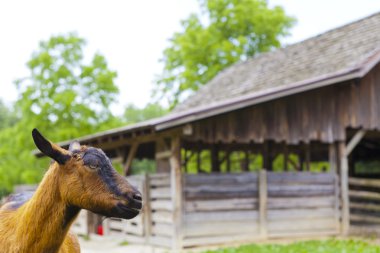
341, 54
337, 51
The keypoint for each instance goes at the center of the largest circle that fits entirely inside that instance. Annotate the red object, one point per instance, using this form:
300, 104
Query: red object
100, 230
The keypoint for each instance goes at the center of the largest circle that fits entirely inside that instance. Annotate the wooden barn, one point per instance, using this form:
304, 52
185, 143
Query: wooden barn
282, 145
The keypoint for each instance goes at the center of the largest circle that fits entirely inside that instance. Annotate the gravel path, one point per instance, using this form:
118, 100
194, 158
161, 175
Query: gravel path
106, 245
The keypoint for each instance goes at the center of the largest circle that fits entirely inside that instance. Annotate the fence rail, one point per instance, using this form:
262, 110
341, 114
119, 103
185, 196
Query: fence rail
221, 208
364, 205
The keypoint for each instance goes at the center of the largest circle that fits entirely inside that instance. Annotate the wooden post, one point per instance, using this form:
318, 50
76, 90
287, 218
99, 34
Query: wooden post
215, 159
162, 155
199, 160
344, 151
176, 192
131, 156
267, 158
344, 188
246, 160
263, 200
147, 210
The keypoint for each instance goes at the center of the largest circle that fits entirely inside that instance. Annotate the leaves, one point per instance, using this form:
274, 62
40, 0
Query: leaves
234, 31
134, 114
62, 96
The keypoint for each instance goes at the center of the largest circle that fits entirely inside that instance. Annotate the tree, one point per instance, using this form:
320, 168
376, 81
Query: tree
235, 30
64, 97
133, 114
7, 116
63, 93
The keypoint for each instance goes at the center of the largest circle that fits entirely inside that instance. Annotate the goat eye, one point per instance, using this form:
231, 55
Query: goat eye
94, 167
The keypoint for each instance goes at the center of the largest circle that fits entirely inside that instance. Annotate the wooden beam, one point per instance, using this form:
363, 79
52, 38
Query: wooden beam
163, 154
344, 188
147, 215
354, 141
131, 156
246, 160
215, 166
176, 193
263, 201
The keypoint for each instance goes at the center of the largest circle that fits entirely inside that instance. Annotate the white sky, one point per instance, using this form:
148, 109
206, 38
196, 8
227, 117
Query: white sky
133, 34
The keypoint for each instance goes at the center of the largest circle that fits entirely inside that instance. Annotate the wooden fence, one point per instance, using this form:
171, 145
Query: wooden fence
155, 223
220, 208
130, 230
224, 208
364, 205
303, 204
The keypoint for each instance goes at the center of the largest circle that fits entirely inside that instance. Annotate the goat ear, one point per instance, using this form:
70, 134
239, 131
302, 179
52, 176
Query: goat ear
74, 146
50, 149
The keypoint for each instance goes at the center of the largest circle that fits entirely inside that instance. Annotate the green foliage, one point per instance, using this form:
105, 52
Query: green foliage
367, 167
63, 94
328, 246
8, 117
133, 114
234, 31
63, 97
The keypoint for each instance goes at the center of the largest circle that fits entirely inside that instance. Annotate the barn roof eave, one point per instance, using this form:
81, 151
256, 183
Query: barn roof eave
268, 95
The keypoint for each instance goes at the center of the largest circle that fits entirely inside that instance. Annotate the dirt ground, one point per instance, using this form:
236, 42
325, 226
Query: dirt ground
106, 245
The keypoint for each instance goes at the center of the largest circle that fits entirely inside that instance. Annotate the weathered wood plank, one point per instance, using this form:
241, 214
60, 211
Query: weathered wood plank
344, 188
354, 141
156, 182
163, 229
299, 178
303, 234
176, 192
222, 204
163, 154
217, 178
302, 202
136, 230
147, 211
160, 193
364, 182
365, 206
364, 218
165, 205
364, 195
300, 214
225, 228
300, 190
311, 225
221, 188
219, 195
263, 201
162, 217
218, 216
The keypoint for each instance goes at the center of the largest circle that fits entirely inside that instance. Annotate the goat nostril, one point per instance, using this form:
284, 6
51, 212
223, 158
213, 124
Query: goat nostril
137, 196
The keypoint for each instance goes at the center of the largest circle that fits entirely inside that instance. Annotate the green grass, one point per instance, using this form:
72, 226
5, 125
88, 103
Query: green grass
328, 246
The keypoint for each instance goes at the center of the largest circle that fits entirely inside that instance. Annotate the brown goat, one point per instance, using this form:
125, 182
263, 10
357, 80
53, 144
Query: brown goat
81, 177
